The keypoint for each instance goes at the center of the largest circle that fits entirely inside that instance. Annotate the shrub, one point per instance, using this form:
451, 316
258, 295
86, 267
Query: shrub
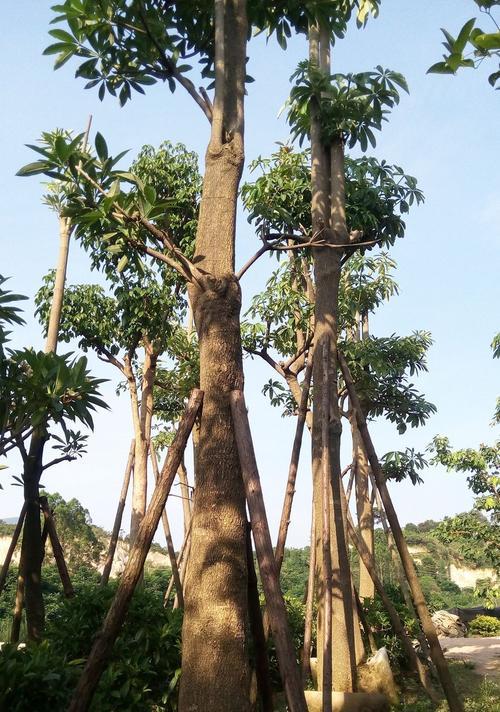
143, 671
485, 626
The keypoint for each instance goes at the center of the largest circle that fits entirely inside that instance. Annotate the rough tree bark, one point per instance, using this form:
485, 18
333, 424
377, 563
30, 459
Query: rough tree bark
215, 666
437, 655
364, 509
328, 219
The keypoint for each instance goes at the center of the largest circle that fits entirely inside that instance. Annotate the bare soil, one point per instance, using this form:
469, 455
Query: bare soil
484, 653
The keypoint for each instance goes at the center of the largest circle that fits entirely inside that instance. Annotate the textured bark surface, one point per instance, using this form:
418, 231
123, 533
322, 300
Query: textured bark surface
215, 666
30, 566
364, 509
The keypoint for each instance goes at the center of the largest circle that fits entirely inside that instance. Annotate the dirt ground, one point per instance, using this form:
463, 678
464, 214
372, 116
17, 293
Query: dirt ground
484, 653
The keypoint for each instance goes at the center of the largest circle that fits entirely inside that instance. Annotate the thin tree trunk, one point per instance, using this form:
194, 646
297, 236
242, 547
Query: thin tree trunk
65, 229
328, 220
275, 604
258, 634
115, 533
292, 470
105, 639
57, 550
364, 507
308, 621
326, 686
18, 605
181, 565
215, 665
12, 547
30, 566
437, 655
179, 602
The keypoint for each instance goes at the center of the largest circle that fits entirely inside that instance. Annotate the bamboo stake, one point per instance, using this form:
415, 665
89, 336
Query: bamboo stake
181, 565
325, 539
454, 702
104, 641
349, 485
115, 533
18, 606
308, 622
258, 634
292, 470
179, 602
396, 623
57, 549
186, 499
403, 583
12, 548
275, 604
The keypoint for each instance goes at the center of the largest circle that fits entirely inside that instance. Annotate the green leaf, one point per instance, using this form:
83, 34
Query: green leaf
123, 262
440, 68
101, 147
490, 41
33, 169
464, 36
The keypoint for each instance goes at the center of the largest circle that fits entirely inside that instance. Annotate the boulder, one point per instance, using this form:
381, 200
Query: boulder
376, 676
348, 702
448, 625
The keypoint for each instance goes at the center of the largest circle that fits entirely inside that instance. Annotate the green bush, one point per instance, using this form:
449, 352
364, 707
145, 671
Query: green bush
485, 626
142, 673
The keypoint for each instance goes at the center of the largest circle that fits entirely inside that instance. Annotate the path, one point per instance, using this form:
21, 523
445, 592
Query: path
483, 652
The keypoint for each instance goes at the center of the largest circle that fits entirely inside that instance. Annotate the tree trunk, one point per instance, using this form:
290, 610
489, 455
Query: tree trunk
31, 548
186, 496
118, 517
181, 565
437, 655
12, 548
105, 639
364, 507
60, 278
215, 666
275, 605
292, 470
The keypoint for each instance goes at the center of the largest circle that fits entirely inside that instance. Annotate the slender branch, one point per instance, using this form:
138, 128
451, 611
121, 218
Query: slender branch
172, 71
63, 458
109, 358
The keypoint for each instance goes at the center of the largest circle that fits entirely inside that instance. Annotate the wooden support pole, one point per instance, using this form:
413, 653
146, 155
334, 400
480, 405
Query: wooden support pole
396, 623
104, 641
258, 634
12, 547
179, 603
181, 565
327, 678
290, 675
349, 485
403, 583
186, 497
454, 702
115, 533
57, 549
18, 605
292, 470
308, 622
372, 645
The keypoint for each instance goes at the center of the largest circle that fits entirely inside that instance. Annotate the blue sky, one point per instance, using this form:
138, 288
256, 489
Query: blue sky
446, 133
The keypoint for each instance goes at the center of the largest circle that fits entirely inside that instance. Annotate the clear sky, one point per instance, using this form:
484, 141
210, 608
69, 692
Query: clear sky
446, 133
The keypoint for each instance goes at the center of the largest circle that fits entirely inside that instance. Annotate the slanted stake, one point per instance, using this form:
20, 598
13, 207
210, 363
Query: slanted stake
289, 670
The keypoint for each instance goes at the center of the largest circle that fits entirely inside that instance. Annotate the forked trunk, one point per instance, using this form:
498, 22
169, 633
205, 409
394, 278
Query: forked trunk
215, 666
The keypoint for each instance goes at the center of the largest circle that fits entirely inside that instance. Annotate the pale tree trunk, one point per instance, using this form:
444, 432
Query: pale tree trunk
215, 666
328, 219
186, 496
364, 507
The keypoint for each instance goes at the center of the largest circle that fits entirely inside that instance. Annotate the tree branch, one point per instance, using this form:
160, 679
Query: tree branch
63, 458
